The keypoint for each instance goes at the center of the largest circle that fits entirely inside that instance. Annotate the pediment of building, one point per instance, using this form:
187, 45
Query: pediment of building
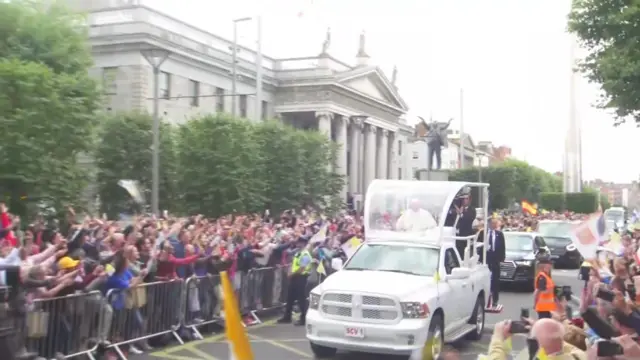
371, 82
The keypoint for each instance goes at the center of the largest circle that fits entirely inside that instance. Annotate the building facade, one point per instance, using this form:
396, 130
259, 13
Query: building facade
356, 106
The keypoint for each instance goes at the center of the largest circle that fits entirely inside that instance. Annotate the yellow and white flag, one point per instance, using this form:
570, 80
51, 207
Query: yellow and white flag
320, 236
239, 347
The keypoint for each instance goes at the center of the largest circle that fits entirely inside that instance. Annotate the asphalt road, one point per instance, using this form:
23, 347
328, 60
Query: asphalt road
271, 341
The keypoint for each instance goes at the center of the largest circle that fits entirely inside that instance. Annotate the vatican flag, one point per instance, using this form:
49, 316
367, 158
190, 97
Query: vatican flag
239, 347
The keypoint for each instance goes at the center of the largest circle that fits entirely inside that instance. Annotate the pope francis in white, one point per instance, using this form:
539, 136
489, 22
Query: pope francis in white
416, 219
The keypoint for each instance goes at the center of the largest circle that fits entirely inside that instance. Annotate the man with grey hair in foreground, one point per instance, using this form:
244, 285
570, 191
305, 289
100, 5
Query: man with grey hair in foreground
548, 333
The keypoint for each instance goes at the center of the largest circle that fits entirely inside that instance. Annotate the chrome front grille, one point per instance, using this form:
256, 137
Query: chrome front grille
341, 298
507, 270
367, 308
379, 301
336, 310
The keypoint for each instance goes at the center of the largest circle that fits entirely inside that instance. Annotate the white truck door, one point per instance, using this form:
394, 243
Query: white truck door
455, 291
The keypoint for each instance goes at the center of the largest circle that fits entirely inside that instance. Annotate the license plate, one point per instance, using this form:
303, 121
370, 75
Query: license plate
503, 273
354, 332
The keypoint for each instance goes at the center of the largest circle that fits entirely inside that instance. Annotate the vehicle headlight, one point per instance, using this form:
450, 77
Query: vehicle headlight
524, 263
314, 301
414, 310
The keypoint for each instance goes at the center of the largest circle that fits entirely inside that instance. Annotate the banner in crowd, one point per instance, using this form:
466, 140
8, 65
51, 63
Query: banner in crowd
588, 235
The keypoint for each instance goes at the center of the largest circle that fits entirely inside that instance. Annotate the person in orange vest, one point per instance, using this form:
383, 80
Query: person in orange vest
544, 298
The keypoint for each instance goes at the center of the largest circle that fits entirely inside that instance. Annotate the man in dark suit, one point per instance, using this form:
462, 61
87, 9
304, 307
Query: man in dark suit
462, 210
495, 255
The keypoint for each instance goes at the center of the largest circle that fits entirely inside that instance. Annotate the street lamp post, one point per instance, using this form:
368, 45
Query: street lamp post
155, 58
234, 65
480, 158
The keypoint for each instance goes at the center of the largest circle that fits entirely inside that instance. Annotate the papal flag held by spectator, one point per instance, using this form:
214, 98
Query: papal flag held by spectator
528, 208
239, 347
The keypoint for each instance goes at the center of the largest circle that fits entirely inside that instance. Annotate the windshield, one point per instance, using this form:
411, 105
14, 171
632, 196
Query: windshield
557, 241
517, 242
414, 260
614, 215
557, 229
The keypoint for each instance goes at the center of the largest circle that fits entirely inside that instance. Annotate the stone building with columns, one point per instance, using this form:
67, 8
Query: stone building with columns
354, 104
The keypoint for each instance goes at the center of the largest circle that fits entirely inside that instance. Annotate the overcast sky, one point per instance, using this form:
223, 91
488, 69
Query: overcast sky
512, 58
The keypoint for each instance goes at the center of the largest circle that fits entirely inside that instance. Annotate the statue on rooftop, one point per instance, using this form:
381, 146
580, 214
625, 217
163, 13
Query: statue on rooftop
327, 42
435, 134
361, 51
394, 75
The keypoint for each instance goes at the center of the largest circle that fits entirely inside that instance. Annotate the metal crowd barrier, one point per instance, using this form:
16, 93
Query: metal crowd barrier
69, 325
145, 311
83, 323
257, 290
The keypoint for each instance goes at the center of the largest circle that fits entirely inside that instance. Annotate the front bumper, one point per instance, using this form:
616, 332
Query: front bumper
571, 258
510, 272
391, 339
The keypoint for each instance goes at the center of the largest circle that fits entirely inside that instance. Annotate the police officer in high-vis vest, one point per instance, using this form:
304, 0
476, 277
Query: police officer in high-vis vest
297, 291
544, 295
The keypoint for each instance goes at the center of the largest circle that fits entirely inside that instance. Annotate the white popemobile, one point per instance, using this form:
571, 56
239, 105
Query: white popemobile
403, 291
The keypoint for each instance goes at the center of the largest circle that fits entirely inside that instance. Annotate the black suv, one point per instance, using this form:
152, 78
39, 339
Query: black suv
557, 236
521, 249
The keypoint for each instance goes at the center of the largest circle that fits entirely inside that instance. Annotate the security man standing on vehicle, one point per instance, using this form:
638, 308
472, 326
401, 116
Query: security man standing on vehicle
544, 297
297, 291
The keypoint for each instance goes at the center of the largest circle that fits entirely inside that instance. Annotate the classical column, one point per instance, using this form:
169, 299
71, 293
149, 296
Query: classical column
324, 122
341, 161
394, 159
354, 172
383, 152
370, 153
324, 127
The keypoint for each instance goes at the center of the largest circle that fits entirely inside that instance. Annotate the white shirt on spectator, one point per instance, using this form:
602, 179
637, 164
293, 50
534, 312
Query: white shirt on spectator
419, 220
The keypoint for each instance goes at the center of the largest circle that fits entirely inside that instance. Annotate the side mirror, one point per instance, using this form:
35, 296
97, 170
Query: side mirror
459, 273
336, 264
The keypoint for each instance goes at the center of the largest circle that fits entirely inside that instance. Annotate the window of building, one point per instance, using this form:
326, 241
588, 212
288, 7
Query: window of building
219, 99
415, 155
165, 85
414, 172
243, 106
399, 173
399, 147
195, 92
109, 80
265, 110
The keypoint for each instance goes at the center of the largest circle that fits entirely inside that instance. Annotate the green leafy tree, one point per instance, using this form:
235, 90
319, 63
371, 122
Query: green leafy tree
281, 155
510, 181
220, 166
228, 165
47, 104
124, 152
610, 32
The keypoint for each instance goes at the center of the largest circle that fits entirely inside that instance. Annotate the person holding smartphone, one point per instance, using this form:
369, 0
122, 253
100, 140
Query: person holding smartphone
544, 298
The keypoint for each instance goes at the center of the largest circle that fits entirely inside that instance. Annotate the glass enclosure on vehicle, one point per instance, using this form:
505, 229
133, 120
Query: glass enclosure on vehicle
411, 210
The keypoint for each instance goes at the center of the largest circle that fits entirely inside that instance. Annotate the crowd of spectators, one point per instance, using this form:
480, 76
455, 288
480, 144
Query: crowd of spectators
607, 323
96, 282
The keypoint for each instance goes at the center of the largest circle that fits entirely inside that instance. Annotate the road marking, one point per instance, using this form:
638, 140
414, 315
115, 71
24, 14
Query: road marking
282, 346
265, 341
207, 340
174, 357
202, 354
